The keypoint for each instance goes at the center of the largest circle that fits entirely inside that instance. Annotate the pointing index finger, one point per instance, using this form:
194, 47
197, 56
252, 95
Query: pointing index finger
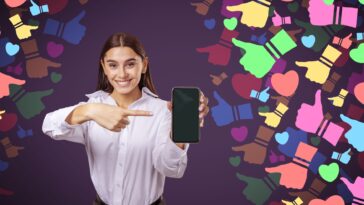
138, 113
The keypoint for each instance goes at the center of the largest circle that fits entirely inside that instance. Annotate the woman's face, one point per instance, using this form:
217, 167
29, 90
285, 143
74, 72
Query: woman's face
123, 68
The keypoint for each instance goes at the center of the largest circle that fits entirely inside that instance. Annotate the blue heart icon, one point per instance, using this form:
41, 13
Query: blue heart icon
210, 23
11, 49
282, 138
308, 41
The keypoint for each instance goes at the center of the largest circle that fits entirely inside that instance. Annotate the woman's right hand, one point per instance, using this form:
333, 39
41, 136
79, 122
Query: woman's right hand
111, 117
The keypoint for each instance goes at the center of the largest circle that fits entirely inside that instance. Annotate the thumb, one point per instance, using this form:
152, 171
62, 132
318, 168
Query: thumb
346, 182
240, 44
41, 94
304, 64
169, 106
53, 64
348, 120
332, 98
347, 151
206, 49
241, 148
239, 7
265, 90
276, 169
79, 16
349, 36
218, 98
16, 81
194, 4
244, 178
318, 99
19, 148
213, 76
33, 3
285, 202
276, 14
264, 114
30, 27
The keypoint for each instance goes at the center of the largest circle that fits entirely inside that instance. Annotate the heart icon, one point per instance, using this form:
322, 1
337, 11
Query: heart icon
285, 84
333, 200
328, 2
359, 92
243, 84
239, 134
308, 41
263, 108
230, 23
329, 172
234, 161
282, 138
14, 3
56, 77
356, 54
54, 50
11, 49
210, 23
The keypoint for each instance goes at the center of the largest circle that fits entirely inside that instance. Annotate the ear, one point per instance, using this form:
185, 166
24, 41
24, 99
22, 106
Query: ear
145, 65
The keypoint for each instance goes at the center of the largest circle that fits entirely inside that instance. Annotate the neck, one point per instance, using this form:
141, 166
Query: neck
124, 100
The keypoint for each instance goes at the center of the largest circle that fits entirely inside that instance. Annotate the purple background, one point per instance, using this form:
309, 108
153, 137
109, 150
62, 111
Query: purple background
56, 172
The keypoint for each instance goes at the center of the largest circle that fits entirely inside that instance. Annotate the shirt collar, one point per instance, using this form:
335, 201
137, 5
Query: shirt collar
146, 94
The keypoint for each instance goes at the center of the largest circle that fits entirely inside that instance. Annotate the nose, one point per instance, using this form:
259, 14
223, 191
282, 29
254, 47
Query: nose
122, 73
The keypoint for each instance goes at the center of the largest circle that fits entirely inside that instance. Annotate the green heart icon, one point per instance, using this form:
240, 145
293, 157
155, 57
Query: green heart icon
329, 172
234, 161
328, 2
230, 23
293, 7
361, 1
357, 54
56, 77
315, 140
263, 109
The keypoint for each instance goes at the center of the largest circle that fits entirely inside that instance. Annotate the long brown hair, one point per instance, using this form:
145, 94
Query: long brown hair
127, 40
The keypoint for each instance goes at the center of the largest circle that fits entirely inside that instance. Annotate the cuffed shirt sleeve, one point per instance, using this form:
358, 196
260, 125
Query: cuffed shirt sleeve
168, 158
55, 126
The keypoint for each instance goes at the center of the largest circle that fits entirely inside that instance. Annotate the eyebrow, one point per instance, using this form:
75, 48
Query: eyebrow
128, 60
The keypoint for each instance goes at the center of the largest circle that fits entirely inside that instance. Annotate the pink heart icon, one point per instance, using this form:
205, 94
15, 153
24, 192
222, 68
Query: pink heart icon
359, 92
54, 50
335, 199
243, 84
285, 84
239, 134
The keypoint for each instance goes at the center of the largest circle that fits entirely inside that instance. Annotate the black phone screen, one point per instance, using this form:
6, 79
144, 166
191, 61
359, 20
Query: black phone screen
185, 120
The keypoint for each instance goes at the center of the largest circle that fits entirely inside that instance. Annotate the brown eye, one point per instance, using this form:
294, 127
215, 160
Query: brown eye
130, 65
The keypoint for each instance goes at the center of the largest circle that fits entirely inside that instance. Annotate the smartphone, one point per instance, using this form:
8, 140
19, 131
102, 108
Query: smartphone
185, 120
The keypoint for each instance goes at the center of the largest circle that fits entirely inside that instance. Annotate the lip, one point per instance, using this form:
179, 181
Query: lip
123, 83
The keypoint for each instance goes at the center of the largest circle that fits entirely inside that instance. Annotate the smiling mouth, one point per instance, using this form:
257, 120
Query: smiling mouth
123, 83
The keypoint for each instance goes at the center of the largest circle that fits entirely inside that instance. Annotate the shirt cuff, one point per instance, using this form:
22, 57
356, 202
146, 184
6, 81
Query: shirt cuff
174, 151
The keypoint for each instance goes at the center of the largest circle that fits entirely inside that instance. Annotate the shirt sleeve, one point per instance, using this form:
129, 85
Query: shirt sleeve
55, 126
168, 158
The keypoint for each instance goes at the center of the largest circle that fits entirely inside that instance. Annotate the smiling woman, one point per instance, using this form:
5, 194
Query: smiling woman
125, 128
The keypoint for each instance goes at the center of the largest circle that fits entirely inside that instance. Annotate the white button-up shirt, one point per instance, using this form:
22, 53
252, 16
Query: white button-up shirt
127, 167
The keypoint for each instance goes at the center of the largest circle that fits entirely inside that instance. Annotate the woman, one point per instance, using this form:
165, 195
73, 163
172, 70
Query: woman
125, 128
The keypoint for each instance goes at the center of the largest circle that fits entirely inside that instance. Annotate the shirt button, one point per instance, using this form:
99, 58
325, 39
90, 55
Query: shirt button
118, 185
120, 163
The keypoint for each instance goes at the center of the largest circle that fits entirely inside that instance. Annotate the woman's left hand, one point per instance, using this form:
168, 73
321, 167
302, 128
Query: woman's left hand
203, 108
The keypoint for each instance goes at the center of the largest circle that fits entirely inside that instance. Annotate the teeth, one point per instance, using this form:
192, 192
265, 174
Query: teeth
123, 83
